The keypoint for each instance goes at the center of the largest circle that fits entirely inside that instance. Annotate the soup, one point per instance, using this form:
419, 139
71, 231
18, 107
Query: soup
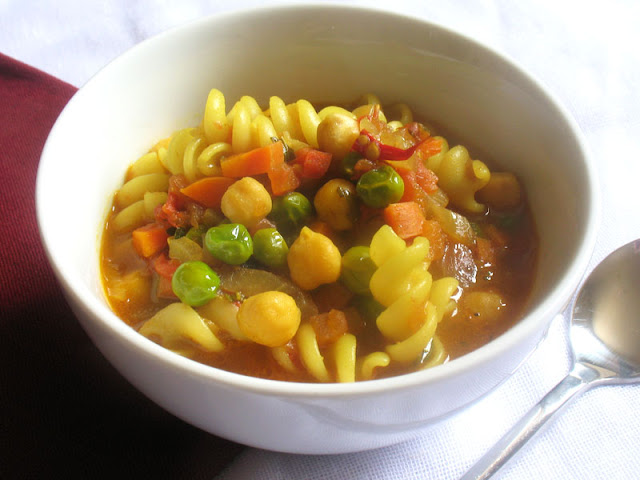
333, 244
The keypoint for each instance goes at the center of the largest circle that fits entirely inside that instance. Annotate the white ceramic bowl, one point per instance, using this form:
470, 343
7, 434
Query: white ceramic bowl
321, 53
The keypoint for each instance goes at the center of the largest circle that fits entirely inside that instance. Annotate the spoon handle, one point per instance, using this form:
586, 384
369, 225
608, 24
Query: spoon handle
576, 381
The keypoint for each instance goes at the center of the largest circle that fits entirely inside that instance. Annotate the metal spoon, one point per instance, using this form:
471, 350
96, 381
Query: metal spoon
605, 339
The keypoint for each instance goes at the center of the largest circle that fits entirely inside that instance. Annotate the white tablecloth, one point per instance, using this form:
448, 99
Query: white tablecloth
587, 54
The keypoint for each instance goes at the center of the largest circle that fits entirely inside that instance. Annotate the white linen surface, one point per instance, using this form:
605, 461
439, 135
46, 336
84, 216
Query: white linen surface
587, 54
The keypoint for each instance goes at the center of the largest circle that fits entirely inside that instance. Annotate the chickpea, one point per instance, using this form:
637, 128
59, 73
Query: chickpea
336, 134
336, 204
313, 260
246, 202
269, 318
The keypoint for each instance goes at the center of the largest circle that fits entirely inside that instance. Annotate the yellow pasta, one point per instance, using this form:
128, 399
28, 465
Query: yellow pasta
208, 161
173, 161
134, 189
403, 316
412, 348
437, 354
216, 126
224, 314
180, 329
148, 163
401, 273
368, 364
344, 355
461, 177
310, 353
281, 356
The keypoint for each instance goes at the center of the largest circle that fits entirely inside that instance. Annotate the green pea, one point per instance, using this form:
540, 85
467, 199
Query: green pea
229, 242
291, 211
380, 187
195, 283
348, 164
269, 248
357, 269
367, 306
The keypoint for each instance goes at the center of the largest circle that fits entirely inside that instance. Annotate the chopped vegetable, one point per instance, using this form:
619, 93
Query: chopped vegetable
269, 248
208, 191
291, 210
357, 269
348, 164
406, 219
283, 179
254, 162
380, 187
230, 243
149, 240
315, 163
195, 283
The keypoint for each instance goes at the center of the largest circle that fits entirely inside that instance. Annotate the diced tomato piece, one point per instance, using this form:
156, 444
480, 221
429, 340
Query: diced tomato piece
283, 179
425, 177
165, 266
315, 163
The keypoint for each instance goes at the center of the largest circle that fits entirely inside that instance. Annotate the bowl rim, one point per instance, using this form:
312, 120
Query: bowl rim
553, 303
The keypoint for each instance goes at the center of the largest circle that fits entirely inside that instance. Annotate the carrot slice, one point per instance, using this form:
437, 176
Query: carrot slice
283, 179
406, 219
208, 191
254, 162
149, 240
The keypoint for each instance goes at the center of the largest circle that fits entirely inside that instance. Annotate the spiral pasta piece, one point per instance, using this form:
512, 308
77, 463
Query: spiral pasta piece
174, 159
215, 124
309, 121
437, 354
401, 273
148, 163
281, 356
344, 357
461, 177
369, 363
179, 328
405, 315
412, 348
415, 304
145, 188
208, 161
241, 138
310, 354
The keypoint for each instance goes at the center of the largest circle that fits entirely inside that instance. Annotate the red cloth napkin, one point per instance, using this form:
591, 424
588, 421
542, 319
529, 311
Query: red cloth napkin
64, 411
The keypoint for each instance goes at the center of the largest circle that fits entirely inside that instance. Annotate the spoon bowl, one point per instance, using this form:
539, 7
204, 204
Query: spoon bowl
605, 341
605, 328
